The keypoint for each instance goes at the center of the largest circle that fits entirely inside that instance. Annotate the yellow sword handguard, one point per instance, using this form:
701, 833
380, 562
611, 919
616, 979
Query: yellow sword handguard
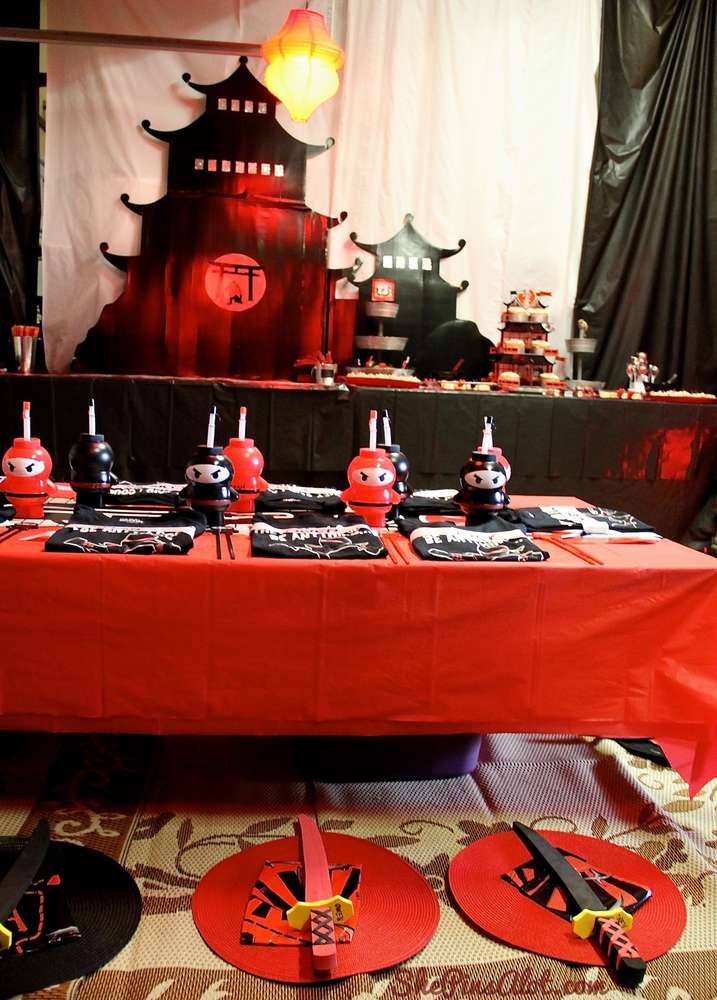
300, 913
584, 922
5, 938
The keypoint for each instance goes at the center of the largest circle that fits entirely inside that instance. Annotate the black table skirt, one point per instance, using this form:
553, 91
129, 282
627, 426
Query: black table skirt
653, 459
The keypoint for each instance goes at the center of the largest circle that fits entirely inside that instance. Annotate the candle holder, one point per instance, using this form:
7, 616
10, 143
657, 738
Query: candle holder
482, 491
91, 461
24, 342
370, 493
402, 468
248, 463
209, 474
27, 467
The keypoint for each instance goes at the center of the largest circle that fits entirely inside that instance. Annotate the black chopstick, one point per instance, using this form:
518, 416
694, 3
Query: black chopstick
10, 533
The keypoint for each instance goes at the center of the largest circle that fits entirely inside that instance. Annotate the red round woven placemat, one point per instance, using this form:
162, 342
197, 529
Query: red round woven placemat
398, 916
502, 911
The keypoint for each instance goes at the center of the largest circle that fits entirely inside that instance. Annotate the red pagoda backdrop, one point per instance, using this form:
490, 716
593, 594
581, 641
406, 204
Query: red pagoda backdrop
231, 278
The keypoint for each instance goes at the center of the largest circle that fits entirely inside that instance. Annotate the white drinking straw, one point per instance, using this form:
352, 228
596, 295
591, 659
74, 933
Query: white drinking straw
211, 427
91, 417
26, 432
386, 428
487, 442
372, 429
242, 423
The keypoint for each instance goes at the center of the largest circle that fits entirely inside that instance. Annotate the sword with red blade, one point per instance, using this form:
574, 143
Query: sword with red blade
321, 905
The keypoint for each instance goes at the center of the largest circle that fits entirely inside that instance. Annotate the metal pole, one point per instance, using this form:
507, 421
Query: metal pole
53, 37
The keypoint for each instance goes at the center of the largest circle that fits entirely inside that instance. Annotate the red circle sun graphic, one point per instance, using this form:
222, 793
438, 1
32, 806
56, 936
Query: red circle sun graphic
235, 281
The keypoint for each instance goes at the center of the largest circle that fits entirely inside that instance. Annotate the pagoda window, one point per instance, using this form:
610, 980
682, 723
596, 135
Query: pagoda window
400, 262
226, 166
261, 107
427, 265
212, 166
249, 107
388, 260
252, 168
266, 170
278, 170
236, 105
239, 167
199, 163
413, 263
221, 104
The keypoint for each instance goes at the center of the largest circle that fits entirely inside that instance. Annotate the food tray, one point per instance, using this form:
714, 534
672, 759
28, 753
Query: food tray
378, 370
673, 397
380, 381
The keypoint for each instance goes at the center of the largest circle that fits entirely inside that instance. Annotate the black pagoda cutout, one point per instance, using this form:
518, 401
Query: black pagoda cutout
424, 299
231, 276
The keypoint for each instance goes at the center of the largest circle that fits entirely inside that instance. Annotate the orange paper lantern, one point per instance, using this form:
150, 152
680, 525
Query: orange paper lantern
303, 59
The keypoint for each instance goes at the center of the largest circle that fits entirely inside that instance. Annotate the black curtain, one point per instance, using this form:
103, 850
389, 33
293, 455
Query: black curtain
648, 272
19, 181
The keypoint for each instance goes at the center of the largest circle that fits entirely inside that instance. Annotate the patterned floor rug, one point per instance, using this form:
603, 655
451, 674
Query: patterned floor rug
169, 809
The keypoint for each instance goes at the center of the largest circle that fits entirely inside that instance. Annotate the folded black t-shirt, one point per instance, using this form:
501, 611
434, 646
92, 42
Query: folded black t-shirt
430, 502
125, 494
589, 520
299, 498
494, 541
314, 536
92, 531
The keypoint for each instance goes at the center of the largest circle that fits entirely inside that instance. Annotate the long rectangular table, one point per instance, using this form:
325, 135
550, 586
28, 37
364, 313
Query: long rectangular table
653, 459
265, 647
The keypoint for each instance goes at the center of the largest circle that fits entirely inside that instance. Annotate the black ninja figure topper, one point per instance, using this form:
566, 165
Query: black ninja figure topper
91, 461
482, 491
209, 484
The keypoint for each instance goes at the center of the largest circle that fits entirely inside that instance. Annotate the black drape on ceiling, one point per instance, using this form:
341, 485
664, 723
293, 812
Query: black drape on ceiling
648, 272
19, 181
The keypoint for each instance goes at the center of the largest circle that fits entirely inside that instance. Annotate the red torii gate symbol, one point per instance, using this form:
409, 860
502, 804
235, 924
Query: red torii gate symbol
242, 270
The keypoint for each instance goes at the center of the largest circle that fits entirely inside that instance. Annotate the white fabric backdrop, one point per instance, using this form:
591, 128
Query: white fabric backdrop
478, 116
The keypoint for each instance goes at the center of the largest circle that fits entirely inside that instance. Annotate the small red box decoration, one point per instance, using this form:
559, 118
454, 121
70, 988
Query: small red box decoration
383, 290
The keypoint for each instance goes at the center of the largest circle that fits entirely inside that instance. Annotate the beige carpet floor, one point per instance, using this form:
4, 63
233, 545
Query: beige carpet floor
169, 809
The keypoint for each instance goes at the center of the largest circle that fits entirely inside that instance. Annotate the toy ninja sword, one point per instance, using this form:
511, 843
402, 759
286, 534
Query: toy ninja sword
18, 878
321, 905
589, 917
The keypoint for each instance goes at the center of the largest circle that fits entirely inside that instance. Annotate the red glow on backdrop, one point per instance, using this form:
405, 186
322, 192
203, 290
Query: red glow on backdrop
235, 281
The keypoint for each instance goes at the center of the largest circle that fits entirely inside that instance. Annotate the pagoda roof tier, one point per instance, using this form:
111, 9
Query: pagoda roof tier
120, 261
408, 241
132, 206
399, 276
241, 83
244, 100
236, 143
245, 195
208, 133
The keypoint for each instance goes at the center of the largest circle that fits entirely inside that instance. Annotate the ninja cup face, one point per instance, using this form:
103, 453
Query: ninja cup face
29, 467
209, 474
361, 473
27, 459
485, 479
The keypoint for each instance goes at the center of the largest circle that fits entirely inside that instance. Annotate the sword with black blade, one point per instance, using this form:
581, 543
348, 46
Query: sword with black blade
589, 916
19, 877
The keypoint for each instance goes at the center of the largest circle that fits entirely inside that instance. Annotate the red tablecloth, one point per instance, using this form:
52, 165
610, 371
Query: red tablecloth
260, 646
